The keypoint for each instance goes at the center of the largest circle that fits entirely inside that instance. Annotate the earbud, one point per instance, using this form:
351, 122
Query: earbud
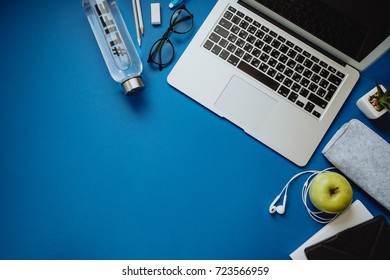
280, 209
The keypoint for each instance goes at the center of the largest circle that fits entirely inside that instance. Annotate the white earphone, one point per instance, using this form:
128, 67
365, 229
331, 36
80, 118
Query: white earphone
281, 209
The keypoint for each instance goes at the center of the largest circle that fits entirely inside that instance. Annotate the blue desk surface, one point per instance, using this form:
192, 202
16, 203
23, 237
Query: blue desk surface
87, 173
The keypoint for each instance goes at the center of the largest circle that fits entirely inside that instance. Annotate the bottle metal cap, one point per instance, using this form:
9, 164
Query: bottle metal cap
133, 85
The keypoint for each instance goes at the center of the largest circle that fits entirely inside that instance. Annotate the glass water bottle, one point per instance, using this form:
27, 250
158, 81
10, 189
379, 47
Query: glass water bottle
115, 43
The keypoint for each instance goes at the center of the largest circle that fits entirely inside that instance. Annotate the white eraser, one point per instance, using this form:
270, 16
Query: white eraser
155, 13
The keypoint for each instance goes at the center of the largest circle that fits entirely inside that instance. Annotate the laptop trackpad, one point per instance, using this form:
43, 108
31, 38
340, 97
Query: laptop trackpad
246, 104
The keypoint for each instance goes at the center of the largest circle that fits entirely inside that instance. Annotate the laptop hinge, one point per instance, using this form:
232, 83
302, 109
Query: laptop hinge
314, 46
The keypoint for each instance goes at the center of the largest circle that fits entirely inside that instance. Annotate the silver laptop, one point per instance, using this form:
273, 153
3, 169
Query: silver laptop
282, 69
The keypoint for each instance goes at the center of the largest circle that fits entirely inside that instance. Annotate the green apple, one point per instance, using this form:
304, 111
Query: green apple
330, 192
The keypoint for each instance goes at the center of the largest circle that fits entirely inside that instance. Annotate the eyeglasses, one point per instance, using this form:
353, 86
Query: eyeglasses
162, 51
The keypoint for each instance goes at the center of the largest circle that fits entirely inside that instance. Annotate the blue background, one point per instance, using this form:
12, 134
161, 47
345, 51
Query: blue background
88, 173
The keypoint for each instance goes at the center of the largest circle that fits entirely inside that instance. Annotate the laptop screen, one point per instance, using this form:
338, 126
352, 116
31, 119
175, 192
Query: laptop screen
353, 27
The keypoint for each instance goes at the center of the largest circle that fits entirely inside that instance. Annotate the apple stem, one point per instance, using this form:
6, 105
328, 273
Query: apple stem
333, 191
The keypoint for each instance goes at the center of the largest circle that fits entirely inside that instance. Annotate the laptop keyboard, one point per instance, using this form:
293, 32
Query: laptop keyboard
283, 66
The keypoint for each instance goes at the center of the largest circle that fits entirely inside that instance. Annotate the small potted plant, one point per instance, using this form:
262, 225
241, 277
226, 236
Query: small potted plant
375, 103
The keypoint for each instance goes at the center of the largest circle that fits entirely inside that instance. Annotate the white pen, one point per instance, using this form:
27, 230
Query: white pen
136, 22
140, 20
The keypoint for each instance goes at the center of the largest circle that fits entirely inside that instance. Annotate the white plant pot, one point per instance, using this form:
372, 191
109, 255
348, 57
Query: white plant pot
365, 106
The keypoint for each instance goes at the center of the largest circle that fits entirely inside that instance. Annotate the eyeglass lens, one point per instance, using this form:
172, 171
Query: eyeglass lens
162, 51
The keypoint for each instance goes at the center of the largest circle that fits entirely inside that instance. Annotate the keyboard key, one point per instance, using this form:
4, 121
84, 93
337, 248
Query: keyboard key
282, 58
300, 58
309, 107
239, 53
223, 43
287, 82
272, 62
334, 79
235, 29
316, 68
255, 62
258, 75
315, 78
264, 57
236, 20
317, 100
275, 53
315, 59
256, 52
221, 31
324, 83
299, 68
295, 87
331, 69
298, 49
304, 92
290, 44
291, 63
340, 75
232, 9
216, 49
293, 97
231, 48
259, 44
240, 43
263, 67
232, 38
321, 92
288, 72
271, 72
283, 49
251, 39
243, 24
281, 39
252, 29
324, 73
313, 87
243, 34
291, 53
280, 67
331, 91
316, 114
228, 15
323, 64
233, 59
279, 77
240, 14
283, 91
248, 47
249, 19
224, 54
225, 23
267, 39
214, 37
265, 29
296, 77
247, 57
260, 34
275, 44
305, 82
307, 73
308, 63
208, 45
